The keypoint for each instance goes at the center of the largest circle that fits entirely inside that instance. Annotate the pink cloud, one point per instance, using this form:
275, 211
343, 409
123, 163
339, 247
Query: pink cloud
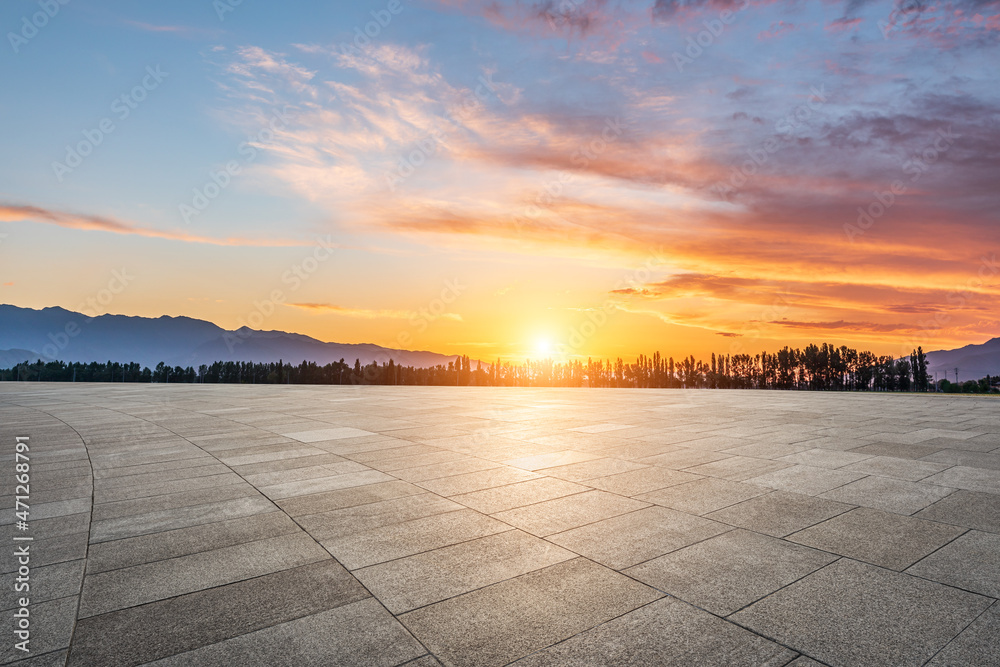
843, 24
776, 30
12, 213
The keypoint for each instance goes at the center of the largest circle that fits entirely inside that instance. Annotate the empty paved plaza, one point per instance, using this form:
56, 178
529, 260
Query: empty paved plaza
310, 525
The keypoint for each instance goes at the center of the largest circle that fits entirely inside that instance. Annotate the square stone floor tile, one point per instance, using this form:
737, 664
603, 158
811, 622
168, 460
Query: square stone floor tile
385, 543
972, 563
977, 645
807, 480
737, 468
667, 632
338, 523
361, 633
180, 624
764, 450
476, 481
117, 589
640, 481
328, 501
578, 472
317, 435
881, 538
519, 494
869, 616
890, 495
509, 620
825, 458
899, 451
683, 457
779, 513
703, 496
966, 508
728, 572
551, 460
971, 479
407, 583
628, 539
555, 516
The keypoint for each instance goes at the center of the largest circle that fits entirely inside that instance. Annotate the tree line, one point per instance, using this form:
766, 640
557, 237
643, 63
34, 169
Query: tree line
816, 367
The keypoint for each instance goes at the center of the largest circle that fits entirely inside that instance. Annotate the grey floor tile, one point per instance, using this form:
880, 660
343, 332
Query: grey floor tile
361, 633
51, 629
728, 572
477, 481
165, 488
666, 632
683, 457
338, 523
632, 538
807, 480
551, 459
972, 563
306, 472
900, 451
966, 508
889, 466
704, 495
407, 583
125, 508
977, 645
378, 545
50, 510
117, 589
331, 483
779, 513
351, 497
890, 495
825, 458
156, 477
55, 658
462, 466
44, 529
765, 450
737, 468
418, 460
641, 481
871, 616
881, 538
971, 479
555, 516
104, 556
152, 631
960, 457
50, 551
508, 620
336, 433
510, 496
181, 517
50, 582
578, 472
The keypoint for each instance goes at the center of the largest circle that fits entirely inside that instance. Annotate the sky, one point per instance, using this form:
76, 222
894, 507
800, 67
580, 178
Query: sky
511, 178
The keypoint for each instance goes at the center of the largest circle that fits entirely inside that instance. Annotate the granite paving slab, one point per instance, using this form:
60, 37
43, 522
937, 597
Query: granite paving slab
431, 526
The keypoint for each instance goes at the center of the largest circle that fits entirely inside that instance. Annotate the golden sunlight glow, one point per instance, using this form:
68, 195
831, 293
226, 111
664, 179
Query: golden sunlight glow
543, 347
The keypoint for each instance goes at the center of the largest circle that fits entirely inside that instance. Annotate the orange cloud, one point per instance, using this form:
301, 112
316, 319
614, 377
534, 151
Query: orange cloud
12, 213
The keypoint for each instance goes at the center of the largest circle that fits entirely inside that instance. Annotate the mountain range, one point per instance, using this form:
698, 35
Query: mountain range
57, 333
972, 361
